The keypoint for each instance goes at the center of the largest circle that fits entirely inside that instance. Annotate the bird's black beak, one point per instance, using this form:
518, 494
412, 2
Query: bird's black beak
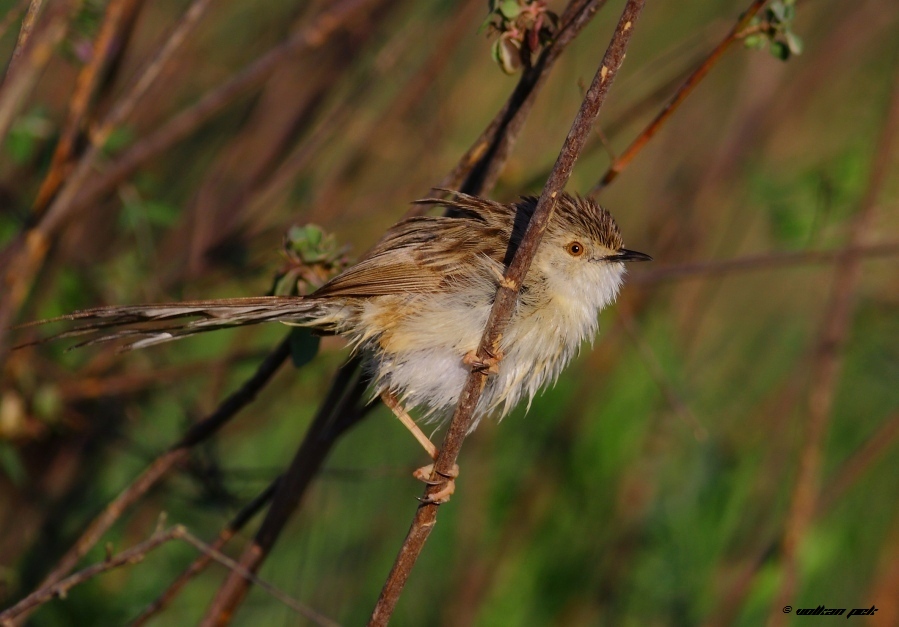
629, 255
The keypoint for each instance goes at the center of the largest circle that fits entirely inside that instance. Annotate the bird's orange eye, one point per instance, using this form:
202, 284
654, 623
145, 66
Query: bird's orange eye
575, 249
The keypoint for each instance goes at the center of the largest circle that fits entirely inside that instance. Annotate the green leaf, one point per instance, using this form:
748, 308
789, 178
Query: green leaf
794, 42
11, 464
779, 50
509, 9
778, 10
119, 138
303, 346
159, 213
20, 146
506, 54
755, 42
47, 403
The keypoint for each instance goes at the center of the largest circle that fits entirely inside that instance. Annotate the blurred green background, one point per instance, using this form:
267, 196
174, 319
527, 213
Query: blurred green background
653, 485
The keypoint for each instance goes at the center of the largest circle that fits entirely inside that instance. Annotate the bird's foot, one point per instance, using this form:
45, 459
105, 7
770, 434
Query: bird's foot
447, 480
489, 364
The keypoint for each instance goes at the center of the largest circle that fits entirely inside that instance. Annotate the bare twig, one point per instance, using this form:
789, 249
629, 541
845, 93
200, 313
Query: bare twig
59, 589
33, 55
118, 16
199, 564
12, 15
622, 161
758, 262
190, 119
239, 570
426, 515
162, 464
28, 22
135, 555
26, 254
827, 362
479, 168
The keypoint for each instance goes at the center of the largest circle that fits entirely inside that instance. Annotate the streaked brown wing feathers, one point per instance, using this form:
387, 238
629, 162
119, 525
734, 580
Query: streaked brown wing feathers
419, 255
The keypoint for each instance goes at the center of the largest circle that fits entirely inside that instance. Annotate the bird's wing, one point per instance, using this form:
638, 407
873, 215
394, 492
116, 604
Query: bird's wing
421, 255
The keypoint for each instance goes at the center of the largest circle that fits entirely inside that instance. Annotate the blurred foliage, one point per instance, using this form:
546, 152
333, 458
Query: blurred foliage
774, 31
521, 28
604, 504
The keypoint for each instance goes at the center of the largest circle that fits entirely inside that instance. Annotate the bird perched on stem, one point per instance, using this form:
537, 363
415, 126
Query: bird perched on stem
417, 304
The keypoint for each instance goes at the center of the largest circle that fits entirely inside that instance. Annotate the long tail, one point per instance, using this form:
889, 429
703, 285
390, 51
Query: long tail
146, 325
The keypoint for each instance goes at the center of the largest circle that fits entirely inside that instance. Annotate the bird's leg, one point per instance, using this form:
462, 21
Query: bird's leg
490, 363
425, 472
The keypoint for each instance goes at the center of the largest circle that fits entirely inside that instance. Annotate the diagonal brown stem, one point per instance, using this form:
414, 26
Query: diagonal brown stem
325, 433
426, 515
340, 410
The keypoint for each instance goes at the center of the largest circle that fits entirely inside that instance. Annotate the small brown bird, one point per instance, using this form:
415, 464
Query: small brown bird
417, 304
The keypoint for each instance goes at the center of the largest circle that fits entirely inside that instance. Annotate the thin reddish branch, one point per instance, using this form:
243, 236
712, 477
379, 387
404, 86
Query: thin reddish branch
624, 159
426, 515
118, 18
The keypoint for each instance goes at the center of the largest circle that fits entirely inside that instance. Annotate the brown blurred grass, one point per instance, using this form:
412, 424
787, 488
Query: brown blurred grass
600, 506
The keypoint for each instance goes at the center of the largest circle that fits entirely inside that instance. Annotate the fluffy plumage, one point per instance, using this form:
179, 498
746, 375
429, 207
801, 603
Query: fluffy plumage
418, 302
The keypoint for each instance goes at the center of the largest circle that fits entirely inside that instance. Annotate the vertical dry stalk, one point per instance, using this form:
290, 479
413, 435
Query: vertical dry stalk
426, 515
827, 361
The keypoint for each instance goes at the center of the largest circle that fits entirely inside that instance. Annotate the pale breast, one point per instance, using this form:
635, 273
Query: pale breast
416, 345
